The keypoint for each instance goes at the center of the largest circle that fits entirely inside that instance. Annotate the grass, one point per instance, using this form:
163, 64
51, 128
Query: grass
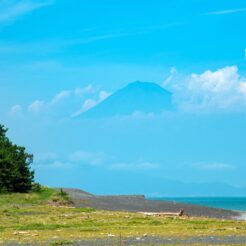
39, 218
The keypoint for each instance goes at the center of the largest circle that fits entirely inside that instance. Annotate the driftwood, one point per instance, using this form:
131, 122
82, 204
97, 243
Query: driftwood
180, 213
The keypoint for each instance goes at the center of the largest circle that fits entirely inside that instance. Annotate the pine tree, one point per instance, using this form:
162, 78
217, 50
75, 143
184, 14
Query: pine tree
15, 173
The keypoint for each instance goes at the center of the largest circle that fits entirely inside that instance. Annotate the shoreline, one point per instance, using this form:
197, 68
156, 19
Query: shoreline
138, 203
237, 203
242, 216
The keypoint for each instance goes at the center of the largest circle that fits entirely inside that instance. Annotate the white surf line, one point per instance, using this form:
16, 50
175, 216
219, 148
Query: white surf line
242, 216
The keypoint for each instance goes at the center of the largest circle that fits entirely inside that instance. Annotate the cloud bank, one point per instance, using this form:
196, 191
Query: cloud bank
94, 159
223, 89
220, 90
65, 103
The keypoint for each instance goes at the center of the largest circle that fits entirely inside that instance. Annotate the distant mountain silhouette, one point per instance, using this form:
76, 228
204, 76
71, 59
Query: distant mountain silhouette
137, 96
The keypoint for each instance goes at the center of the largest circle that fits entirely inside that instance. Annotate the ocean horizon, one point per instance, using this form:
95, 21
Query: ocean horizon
231, 203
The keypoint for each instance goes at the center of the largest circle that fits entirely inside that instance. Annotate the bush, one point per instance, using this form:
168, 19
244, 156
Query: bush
36, 187
15, 173
61, 198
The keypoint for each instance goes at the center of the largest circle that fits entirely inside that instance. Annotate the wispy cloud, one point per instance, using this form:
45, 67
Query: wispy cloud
54, 45
12, 9
61, 96
16, 110
36, 106
226, 11
122, 33
93, 159
61, 43
89, 158
90, 103
78, 158
56, 165
135, 166
214, 166
45, 157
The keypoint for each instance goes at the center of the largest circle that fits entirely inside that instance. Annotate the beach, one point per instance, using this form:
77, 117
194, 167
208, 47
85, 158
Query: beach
138, 203
75, 217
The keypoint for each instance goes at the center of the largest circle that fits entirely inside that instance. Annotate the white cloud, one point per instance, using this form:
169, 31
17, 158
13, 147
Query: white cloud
89, 158
11, 9
93, 159
36, 106
211, 90
67, 100
56, 164
220, 81
170, 77
214, 166
16, 110
76, 159
135, 166
242, 88
81, 92
88, 104
60, 96
45, 157
103, 95
92, 102
226, 11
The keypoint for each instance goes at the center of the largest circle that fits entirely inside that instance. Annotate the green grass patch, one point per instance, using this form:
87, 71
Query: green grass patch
61, 243
34, 218
20, 199
86, 210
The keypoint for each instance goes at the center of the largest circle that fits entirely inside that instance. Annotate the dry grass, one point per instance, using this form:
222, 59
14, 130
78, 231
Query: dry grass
28, 218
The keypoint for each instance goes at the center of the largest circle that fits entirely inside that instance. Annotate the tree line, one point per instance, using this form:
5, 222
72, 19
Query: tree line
15, 171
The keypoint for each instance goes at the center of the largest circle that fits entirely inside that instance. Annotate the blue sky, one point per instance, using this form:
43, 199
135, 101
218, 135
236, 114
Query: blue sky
61, 57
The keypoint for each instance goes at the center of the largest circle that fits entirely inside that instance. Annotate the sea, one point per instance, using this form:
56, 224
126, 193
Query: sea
231, 203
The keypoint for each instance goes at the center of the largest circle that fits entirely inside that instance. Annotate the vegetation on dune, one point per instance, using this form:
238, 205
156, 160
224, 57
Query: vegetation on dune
15, 173
61, 198
38, 218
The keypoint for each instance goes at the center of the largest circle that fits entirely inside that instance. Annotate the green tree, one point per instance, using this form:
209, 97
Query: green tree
15, 172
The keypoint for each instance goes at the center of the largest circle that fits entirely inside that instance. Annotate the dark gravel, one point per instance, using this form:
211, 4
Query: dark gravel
138, 203
164, 241
155, 241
